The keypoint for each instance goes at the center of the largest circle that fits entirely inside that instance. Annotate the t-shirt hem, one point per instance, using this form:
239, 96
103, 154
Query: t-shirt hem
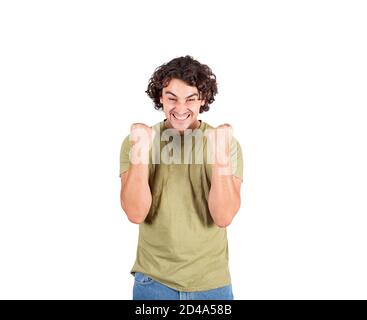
186, 289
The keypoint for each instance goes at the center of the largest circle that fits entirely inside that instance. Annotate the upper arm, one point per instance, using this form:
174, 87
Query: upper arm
236, 164
237, 182
236, 160
123, 183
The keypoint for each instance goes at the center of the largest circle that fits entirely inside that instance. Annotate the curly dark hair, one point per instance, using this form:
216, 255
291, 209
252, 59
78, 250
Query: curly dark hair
188, 70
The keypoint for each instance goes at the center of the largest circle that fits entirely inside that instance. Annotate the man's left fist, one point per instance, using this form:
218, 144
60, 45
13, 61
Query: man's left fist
219, 144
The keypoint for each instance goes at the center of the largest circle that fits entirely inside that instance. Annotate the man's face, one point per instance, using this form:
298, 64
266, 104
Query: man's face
181, 105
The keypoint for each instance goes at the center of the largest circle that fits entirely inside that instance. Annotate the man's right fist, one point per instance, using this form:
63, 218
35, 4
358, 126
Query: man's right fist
142, 137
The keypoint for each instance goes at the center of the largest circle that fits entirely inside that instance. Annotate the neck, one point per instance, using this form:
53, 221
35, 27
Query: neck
194, 125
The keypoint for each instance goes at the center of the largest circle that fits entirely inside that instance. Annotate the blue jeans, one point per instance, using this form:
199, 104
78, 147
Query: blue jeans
145, 288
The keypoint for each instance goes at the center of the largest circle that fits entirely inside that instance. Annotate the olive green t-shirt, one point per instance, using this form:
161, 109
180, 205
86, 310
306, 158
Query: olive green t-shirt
179, 245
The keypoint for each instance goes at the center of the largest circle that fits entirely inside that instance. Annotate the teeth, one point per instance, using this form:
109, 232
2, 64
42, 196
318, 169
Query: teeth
181, 117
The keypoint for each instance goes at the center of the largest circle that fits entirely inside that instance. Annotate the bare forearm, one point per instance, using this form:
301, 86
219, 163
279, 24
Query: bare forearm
223, 200
136, 195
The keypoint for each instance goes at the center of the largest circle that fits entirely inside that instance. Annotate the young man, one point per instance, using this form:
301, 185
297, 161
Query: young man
182, 205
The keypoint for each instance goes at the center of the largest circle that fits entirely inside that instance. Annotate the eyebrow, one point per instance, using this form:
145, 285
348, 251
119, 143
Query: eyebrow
191, 95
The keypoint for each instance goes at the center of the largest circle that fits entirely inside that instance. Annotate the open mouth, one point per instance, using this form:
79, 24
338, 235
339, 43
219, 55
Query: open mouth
181, 117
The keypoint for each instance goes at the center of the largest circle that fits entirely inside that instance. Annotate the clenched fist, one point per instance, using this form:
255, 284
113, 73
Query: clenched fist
219, 144
142, 137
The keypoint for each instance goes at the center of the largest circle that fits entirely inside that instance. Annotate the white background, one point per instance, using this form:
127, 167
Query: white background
292, 79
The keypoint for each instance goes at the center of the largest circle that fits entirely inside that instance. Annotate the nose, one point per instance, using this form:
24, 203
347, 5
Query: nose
181, 108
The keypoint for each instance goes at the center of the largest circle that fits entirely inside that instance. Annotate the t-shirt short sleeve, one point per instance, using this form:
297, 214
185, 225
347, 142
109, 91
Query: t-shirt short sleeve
236, 158
124, 155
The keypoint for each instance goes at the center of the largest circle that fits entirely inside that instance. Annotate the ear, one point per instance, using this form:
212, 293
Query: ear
161, 100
